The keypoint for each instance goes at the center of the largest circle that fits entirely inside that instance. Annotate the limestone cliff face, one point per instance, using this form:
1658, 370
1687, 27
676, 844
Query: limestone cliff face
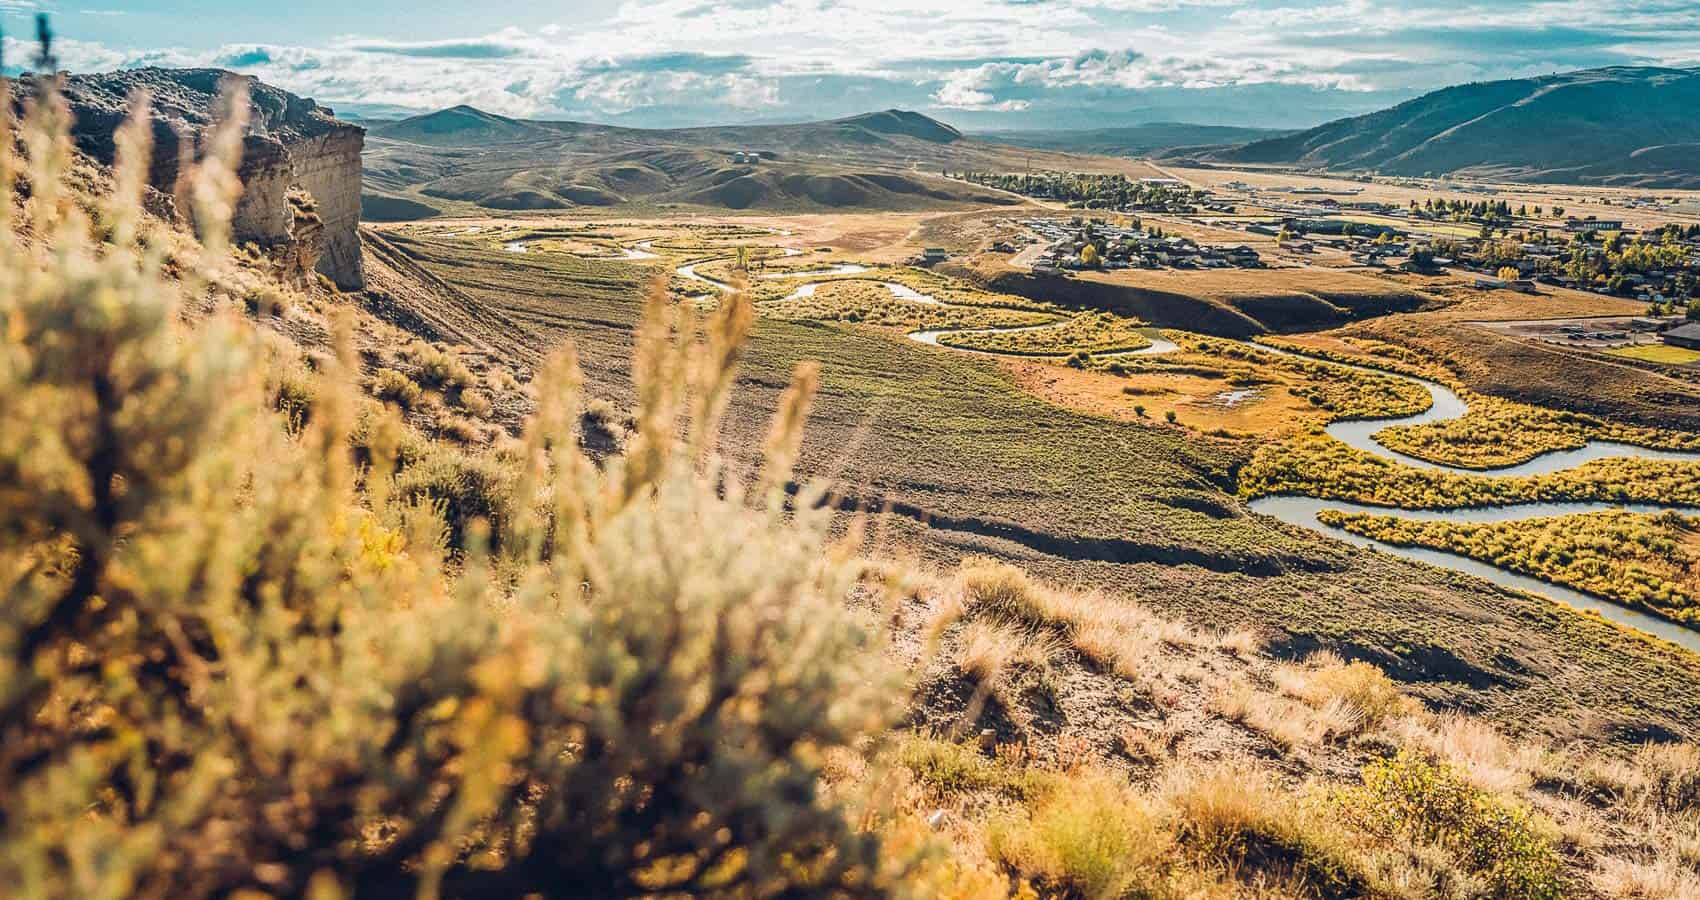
292, 144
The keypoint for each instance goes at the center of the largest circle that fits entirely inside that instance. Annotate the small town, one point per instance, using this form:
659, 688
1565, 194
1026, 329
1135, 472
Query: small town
1518, 249
1078, 243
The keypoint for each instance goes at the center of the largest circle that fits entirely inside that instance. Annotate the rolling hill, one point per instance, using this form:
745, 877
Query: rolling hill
1630, 126
886, 160
1135, 140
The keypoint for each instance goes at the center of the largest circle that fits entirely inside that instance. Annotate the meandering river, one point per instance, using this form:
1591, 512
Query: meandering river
1445, 405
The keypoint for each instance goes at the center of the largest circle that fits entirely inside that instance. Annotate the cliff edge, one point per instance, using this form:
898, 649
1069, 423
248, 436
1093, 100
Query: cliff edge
292, 143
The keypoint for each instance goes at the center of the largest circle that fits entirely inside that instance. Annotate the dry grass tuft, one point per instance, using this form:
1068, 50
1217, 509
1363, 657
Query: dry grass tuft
1664, 878
1092, 836
987, 650
1357, 691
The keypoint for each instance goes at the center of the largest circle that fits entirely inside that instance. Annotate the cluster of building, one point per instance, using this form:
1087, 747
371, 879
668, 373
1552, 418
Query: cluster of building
1591, 223
1119, 247
1674, 275
1585, 259
1677, 331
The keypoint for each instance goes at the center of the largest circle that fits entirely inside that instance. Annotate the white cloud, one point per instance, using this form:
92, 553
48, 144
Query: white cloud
1039, 57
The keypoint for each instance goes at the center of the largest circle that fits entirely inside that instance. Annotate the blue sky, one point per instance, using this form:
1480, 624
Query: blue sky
993, 63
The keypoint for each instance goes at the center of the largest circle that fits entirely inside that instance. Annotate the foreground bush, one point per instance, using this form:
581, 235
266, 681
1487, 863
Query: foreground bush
1411, 799
231, 659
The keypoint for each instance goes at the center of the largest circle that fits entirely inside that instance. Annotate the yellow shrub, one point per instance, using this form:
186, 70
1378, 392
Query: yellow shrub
1090, 836
394, 387
1230, 817
233, 663
1360, 687
1003, 591
1408, 798
440, 369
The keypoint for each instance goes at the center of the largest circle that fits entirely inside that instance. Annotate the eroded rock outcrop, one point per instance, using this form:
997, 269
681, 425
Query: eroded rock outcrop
292, 144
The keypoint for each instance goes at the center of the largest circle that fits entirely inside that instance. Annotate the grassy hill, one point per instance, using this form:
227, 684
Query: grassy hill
885, 160
1620, 125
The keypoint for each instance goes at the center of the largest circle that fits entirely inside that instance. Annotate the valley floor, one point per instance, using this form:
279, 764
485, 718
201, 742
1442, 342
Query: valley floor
1076, 471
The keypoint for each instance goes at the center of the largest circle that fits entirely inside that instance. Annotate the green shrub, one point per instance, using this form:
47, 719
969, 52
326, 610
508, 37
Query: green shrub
463, 488
441, 370
1408, 798
1089, 836
233, 663
393, 387
952, 768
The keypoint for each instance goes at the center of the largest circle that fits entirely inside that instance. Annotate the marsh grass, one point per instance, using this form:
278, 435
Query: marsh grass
1640, 560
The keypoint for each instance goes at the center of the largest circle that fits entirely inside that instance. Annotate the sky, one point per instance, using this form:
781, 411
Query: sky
992, 64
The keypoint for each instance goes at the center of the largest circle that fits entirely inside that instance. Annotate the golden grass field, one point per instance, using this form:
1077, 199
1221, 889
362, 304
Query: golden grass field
1576, 200
1196, 400
1659, 353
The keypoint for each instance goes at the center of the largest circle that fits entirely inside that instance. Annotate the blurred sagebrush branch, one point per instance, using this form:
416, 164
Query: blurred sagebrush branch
234, 657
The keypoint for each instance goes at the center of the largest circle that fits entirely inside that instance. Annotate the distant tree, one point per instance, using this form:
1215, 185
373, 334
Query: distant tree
1090, 257
1509, 273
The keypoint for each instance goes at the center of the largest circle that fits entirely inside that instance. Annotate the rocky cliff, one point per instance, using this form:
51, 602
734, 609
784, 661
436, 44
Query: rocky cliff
292, 144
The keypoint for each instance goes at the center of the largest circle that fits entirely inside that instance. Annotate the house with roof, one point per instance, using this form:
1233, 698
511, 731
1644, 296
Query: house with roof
1686, 336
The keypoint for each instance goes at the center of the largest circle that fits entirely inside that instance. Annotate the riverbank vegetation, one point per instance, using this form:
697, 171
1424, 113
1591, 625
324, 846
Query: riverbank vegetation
872, 303
1091, 332
1494, 432
1643, 560
1339, 391
1316, 465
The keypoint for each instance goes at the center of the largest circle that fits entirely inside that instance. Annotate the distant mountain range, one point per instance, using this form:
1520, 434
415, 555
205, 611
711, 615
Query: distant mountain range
462, 124
1151, 139
888, 160
1629, 126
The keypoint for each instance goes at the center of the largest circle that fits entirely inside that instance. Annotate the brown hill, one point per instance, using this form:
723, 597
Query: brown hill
886, 160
